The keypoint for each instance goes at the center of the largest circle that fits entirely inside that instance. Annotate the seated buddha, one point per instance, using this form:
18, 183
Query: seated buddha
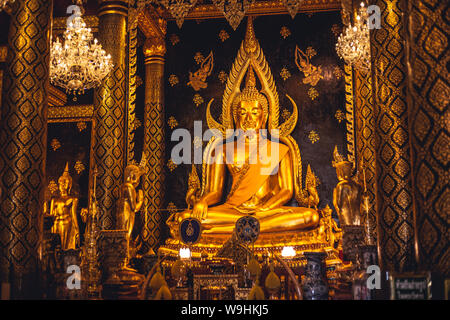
262, 172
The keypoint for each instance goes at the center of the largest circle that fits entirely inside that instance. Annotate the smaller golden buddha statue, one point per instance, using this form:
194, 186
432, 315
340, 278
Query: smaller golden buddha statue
130, 200
64, 209
347, 194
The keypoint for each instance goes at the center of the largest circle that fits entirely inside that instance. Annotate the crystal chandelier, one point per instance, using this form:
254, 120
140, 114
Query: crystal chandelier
79, 63
353, 44
3, 3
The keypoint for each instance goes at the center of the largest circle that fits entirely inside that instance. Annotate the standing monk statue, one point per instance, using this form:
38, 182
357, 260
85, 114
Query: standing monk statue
347, 194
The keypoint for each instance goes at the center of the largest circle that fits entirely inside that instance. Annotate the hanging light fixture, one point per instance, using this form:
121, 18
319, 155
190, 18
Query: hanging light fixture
80, 63
3, 3
353, 44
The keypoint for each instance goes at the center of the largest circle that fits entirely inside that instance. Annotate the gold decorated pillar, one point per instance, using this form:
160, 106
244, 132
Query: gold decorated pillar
109, 111
153, 150
365, 144
428, 41
23, 139
396, 220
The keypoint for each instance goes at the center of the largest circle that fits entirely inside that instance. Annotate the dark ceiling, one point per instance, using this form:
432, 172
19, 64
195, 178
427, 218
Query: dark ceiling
60, 7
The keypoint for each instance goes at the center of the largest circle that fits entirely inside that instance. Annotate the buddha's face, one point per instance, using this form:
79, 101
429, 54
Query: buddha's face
64, 185
250, 115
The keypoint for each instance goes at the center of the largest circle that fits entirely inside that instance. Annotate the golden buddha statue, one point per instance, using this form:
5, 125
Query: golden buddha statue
265, 171
130, 200
64, 209
347, 194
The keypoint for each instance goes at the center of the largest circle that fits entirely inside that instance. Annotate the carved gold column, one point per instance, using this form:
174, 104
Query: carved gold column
23, 139
153, 181
109, 111
429, 129
393, 160
365, 141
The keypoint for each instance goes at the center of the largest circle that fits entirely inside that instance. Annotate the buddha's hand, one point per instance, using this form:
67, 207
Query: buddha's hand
200, 209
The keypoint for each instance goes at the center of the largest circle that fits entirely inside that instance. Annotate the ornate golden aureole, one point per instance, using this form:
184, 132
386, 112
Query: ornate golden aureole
252, 192
64, 209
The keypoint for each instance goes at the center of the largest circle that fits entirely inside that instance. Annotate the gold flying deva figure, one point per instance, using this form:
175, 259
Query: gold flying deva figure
347, 194
265, 173
130, 200
197, 80
64, 209
312, 73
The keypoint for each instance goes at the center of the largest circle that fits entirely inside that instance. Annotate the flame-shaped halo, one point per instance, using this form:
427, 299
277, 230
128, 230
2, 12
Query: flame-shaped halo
250, 53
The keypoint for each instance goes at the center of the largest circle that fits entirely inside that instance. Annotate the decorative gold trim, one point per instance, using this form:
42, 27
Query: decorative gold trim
350, 115
154, 59
70, 113
56, 97
210, 11
151, 24
114, 9
131, 94
60, 24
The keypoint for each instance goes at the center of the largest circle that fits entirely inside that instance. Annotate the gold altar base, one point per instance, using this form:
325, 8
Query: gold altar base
266, 243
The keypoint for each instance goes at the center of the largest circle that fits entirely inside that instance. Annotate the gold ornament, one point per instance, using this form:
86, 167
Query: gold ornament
223, 35
233, 10
312, 93
173, 80
285, 114
222, 76
179, 9
171, 207
338, 73
285, 32
171, 165
285, 74
313, 136
55, 144
79, 167
312, 73
198, 100
292, 6
81, 125
172, 122
197, 80
52, 186
198, 57
174, 39
336, 30
310, 52
137, 123
339, 115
